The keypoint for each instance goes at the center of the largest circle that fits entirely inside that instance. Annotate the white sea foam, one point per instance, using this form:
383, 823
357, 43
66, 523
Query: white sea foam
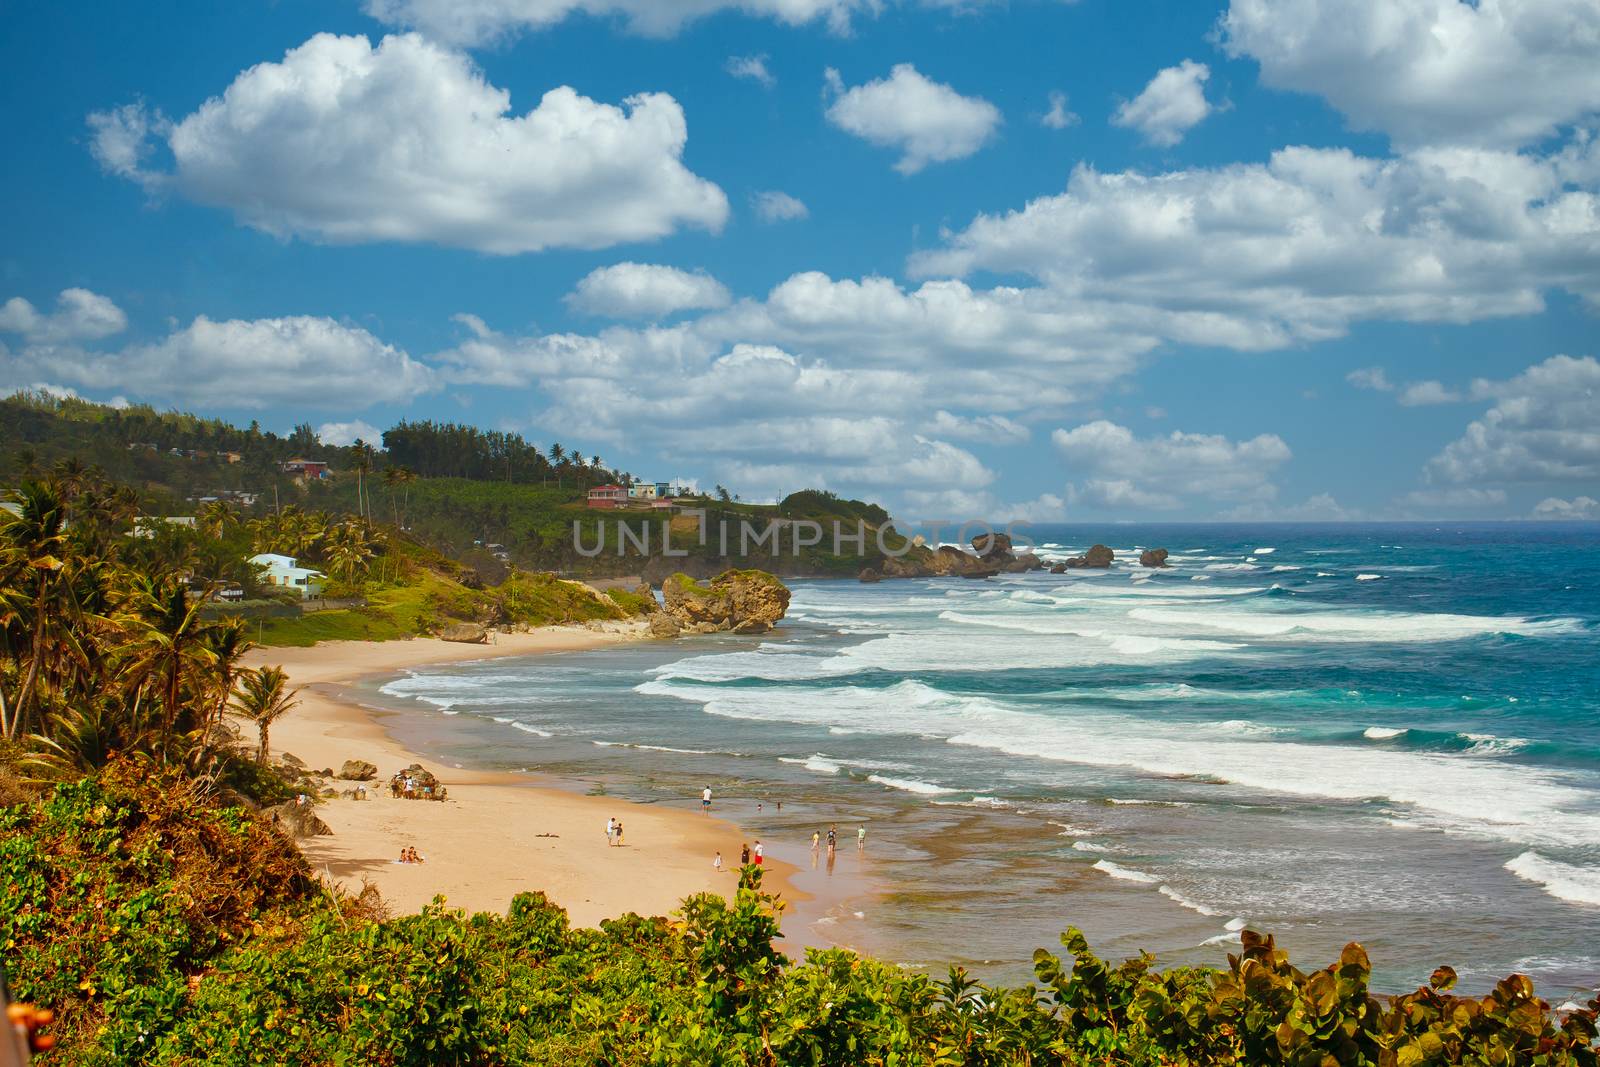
1088, 846
1368, 577
663, 748
1381, 733
910, 785
1265, 551
1201, 578
1280, 568
534, 730
1126, 874
1578, 885
1221, 939
1365, 626
1183, 901
1491, 745
1235, 924
819, 763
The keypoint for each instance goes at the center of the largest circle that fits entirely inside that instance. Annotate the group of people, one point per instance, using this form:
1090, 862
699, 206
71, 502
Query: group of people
409, 855
833, 839
409, 787
747, 856
613, 833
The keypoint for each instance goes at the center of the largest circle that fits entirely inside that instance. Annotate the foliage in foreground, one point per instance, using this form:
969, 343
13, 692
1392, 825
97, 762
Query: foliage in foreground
167, 930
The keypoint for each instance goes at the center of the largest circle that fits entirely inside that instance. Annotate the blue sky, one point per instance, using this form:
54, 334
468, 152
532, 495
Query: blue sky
1106, 259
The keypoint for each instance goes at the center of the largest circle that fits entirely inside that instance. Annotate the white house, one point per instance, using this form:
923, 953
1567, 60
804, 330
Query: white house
281, 570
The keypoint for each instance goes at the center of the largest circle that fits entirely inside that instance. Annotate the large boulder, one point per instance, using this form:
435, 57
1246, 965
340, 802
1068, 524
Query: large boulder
1153, 557
358, 770
993, 547
869, 575
466, 633
1098, 556
747, 601
299, 819
664, 625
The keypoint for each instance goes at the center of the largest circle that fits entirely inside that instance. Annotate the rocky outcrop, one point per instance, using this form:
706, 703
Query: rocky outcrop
993, 547
1098, 556
357, 770
869, 575
664, 625
744, 602
467, 633
1153, 557
298, 819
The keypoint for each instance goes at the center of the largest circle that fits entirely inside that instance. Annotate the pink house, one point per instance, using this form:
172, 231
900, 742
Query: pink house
607, 496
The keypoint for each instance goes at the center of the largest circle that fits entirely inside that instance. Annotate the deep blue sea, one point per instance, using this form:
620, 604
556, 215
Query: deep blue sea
1388, 733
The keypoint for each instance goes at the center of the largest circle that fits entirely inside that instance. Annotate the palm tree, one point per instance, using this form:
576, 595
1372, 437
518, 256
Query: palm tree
363, 465
168, 650
226, 643
215, 518
34, 542
558, 457
264, 699
394, 477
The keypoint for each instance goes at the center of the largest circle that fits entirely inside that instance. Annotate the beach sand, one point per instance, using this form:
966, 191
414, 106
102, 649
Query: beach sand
486, 843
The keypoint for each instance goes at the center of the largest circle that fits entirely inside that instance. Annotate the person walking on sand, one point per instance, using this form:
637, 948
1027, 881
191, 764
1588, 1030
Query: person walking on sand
744, 855
833, 837
705, 799
759, 853
861, 837
816, 840
611, 829
716, 863
619, 833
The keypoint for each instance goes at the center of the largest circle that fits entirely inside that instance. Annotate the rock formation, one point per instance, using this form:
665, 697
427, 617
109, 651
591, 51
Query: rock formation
1153, 557
467, 633
357, 770
745, 602
869, 575
299, 819
1097, 556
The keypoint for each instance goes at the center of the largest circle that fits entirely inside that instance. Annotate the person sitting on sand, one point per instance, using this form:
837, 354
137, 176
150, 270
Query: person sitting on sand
405, 856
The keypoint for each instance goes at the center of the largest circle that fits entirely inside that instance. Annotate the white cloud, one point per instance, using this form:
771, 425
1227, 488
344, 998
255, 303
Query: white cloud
1116, 469
993, 429
751, 68
1485, 72
1544, 426
1373, 378
485, 21
645, 291
1059, 117
343, 142
300, 362
773, 205
1582, 507
80, 315
344, 434
120, 140
926, 121
1260, 256
1172, 104
1421, 394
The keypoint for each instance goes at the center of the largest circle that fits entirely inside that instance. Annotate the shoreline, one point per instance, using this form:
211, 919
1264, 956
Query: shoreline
499, 833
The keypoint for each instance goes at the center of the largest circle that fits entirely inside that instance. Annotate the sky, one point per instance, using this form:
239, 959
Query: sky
1009, 259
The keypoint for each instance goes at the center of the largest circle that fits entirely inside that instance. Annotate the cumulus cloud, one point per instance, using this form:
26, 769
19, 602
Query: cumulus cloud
993, 429
344, 142
751, 68
486, 21
1481, 72
1059, 117
926, 121
1115, 469
1543, 426
300, 362
79, 315
1582, 507
1374, 378
1172, 104
1421, 394
1264, 255
645, 291
773, 205
344, 434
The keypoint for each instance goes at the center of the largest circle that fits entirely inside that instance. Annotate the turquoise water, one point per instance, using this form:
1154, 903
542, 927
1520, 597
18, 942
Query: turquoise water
1389, 733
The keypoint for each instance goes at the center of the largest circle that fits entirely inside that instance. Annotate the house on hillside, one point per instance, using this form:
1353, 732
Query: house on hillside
642, 491
607, 496
306, 469
282, 571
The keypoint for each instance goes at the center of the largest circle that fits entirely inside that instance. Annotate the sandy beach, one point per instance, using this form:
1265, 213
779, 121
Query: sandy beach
498, 834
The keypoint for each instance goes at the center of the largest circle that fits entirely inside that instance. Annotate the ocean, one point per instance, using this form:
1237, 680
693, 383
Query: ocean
1385, 733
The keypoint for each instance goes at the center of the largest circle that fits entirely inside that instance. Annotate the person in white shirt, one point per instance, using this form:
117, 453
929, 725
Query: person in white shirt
611, 830
705, 799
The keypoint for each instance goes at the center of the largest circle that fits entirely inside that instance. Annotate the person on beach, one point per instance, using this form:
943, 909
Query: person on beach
744, 855
716, 863
619, 833
611, 828
861, 837
758, 853
816, 840
705, 799
833, 837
